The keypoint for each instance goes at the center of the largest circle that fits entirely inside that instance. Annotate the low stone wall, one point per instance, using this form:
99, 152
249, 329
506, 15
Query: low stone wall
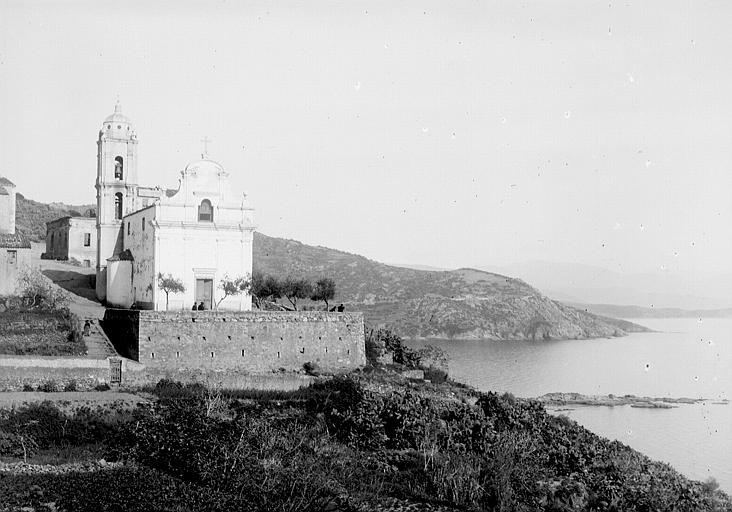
19, 372
256, 342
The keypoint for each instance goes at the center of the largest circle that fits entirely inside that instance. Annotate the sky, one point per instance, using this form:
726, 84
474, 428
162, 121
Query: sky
448, 134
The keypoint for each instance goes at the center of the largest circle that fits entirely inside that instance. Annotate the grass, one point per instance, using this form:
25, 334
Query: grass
39, 333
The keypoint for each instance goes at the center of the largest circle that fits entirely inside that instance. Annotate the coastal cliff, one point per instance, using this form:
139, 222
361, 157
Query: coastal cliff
455, 304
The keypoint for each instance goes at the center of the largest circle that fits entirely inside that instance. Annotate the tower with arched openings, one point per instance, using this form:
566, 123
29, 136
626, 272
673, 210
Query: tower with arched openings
116, 188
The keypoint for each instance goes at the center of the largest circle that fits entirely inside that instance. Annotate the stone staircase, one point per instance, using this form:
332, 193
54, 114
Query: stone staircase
98, 345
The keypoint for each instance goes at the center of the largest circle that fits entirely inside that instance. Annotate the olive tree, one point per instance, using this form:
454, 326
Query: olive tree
324, 290
235, 286
170, 284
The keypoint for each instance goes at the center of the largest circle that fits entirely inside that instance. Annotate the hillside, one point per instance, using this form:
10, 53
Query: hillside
31, 216
459, 304
455, 304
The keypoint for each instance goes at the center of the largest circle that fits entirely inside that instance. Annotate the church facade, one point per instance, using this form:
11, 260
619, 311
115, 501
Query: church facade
198, 234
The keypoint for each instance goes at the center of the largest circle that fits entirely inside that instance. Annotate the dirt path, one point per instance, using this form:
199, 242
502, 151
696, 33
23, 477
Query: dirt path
78, 282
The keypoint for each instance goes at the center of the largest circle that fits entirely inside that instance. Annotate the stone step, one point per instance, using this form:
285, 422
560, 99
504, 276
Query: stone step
98, 345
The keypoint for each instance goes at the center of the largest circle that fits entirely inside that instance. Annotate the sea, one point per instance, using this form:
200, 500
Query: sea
683, 357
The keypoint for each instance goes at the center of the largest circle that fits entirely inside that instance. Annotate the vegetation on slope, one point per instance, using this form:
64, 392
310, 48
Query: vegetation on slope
462, 303
31, 216
360, 442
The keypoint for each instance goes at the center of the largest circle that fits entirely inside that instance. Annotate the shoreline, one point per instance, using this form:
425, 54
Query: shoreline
610, 400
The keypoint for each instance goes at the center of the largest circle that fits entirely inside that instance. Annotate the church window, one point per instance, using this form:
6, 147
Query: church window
51, 239
119, 127
128, 228
87, 239
205, 211
118, 205
118, 168
12, 257
143, 223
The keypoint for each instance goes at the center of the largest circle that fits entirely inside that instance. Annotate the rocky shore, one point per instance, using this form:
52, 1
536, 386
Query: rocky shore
611, 400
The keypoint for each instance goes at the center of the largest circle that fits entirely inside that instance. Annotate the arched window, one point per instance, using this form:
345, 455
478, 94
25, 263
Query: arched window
118, 168
118, 205
205, 211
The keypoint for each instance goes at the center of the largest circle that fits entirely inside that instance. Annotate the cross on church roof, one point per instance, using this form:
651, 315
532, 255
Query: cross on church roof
205, 142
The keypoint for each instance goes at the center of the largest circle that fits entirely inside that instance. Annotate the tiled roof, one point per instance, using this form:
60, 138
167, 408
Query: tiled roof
14, 241
5, 181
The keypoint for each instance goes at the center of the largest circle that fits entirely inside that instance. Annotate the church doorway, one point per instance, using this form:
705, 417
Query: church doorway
204, 292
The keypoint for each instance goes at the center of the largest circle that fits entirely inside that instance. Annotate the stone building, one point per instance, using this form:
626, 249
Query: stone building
15, 249
72, 238
198, 233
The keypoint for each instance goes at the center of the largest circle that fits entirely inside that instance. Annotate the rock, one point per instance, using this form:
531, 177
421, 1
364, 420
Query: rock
413, 374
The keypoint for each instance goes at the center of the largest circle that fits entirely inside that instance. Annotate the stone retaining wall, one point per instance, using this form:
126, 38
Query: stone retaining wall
19, 372
218, 341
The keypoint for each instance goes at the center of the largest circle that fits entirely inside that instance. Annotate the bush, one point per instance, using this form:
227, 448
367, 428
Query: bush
311, 368
435, 375
13, 444
39, 291
49, 386
27, 387
103, 386
70, 386
170, 389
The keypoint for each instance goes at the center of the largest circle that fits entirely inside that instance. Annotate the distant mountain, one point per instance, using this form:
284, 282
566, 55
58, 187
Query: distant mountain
616, 311
457, 304
31, 216
574, 282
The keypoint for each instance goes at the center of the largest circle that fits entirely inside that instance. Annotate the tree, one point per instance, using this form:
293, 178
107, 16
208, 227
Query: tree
233, 287
324, 290
170, 284
38, 290
256, 288
295, 289
265, 287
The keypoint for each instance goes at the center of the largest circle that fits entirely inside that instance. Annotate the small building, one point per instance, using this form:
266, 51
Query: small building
15, 249
72, 238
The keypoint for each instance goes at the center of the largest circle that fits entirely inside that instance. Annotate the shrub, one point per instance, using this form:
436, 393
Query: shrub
311, 368
27, 387
103, 386
70, 386
13, 444
170, 389
435, 375
39, 291
49, 386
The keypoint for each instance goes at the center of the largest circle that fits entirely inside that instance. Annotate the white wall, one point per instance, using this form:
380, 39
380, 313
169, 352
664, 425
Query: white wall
119, 277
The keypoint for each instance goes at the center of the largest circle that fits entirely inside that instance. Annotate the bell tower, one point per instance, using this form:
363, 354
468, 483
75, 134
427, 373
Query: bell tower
116, 188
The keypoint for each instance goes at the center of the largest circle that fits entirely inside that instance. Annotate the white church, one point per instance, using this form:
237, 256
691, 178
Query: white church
198, 233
